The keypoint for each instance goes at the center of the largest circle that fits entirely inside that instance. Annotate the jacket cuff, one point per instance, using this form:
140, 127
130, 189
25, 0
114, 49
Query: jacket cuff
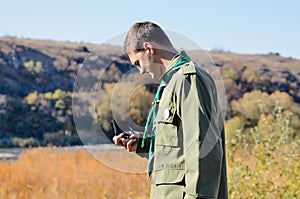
143, 152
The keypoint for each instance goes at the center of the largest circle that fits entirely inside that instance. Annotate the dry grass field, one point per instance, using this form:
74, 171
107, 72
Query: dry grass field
68, 173
50, 173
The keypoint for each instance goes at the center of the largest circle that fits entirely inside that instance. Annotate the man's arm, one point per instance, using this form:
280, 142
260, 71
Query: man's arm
202, 147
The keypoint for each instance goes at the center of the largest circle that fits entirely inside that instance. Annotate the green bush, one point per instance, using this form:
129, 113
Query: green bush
264, 163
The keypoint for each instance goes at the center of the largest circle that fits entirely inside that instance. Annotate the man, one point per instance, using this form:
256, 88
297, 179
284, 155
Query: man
184, 132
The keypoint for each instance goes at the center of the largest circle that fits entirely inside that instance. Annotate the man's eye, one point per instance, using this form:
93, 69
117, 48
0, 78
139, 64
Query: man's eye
137, 63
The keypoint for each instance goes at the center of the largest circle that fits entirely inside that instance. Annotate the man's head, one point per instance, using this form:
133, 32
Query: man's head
147, 47
142, 32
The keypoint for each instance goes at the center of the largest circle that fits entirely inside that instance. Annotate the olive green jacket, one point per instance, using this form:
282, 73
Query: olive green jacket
189, 143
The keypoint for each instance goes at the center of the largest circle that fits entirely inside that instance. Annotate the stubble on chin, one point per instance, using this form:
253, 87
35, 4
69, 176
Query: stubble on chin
155, 71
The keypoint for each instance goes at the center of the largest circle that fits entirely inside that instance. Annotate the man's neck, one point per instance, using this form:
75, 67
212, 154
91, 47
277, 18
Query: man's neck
168, 56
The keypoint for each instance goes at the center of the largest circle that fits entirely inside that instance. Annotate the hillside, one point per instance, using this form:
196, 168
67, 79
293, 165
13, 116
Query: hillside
37, 79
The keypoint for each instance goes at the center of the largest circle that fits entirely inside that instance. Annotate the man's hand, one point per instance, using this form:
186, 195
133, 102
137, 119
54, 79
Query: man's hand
129, 143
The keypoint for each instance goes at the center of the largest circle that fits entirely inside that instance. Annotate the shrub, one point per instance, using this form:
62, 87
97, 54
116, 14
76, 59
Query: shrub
252, 104
61, 138
32, 98
250, 75
34, 67
117, 96
264, 163
23, 142
230, 74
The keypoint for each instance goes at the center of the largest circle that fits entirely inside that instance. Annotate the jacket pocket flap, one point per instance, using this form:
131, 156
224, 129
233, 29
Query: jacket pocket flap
168, 176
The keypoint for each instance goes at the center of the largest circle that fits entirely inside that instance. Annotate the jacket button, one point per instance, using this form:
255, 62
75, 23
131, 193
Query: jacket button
166, 114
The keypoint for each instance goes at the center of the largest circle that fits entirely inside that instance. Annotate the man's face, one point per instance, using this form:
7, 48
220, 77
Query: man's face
146, 63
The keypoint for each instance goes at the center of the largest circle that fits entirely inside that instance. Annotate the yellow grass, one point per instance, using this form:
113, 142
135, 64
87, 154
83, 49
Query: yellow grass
49, 173
45, 173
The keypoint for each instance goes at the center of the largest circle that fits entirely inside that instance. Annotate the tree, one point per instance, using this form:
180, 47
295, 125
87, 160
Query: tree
117, 97
252, 104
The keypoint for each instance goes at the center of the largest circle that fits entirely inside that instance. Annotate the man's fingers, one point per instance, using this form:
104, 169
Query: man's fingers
124, 142
131, 145
133, 136
129, 142
118, 140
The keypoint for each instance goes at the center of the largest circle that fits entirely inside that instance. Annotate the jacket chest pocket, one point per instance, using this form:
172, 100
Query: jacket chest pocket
166, 127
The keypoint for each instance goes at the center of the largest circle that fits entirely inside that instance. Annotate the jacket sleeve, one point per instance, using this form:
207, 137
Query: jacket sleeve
143, 151
202, 141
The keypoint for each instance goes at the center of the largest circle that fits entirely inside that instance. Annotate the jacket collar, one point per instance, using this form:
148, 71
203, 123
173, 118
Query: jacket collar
174, 61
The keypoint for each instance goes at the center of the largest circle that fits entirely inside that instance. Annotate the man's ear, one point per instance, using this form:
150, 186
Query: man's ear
149, 47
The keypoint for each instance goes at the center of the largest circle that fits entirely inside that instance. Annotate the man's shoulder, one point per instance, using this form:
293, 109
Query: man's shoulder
192, 68
180, 76
187, 70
